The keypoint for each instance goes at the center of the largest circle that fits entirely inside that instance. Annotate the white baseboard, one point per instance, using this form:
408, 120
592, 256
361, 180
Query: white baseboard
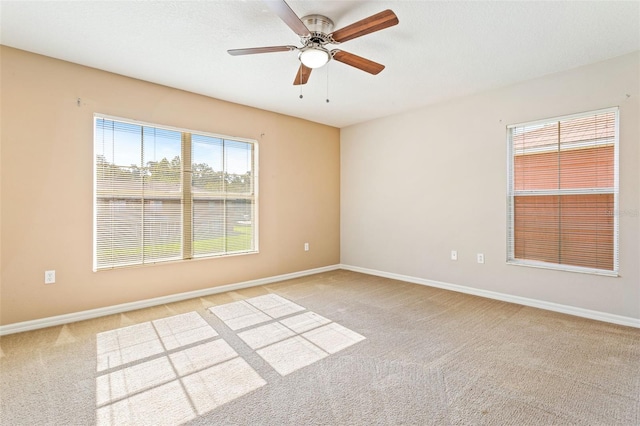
550, 306
125, 307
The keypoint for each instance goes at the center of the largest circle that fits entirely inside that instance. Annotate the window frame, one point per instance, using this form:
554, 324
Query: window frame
185, 176
615, 191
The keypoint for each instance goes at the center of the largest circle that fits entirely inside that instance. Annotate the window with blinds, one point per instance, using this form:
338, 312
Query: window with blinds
165, 194
563, 193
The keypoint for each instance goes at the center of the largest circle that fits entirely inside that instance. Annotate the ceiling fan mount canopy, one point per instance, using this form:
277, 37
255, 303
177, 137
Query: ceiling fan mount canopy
315, 32
318, 24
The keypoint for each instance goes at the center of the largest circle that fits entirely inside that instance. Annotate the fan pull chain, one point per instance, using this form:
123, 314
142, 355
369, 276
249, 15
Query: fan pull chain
301, 85
327, 83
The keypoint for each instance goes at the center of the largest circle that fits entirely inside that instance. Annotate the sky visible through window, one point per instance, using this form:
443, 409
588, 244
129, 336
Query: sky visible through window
119, 143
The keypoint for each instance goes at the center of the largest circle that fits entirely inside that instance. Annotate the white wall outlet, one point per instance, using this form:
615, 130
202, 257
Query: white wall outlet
49, 277
306, 246
454, 255
480, 258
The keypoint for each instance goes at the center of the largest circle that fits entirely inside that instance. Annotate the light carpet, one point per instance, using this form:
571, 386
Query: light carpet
338, 348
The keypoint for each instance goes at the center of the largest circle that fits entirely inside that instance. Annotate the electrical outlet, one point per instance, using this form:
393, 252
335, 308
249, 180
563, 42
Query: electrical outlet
306, 246
454, 255
480, 258
49, 277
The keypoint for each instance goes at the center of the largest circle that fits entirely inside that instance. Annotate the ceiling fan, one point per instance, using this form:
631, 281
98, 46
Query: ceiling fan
316, 33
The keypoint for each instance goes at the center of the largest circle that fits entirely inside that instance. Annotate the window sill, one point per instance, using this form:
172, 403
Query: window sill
565, 268
175, 261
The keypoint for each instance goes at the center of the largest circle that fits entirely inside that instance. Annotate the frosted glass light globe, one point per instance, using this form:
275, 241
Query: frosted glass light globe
314, 58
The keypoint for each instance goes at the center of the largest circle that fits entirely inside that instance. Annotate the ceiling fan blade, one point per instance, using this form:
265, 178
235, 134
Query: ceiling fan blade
303, 75
373, 23
282, 9
252, 50
357, 61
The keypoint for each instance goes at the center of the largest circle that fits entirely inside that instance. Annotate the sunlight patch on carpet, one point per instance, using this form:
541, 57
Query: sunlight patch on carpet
333, 337
239, 315
181, 330
281, 334
305, 322
274, 305
167, 371
127, 344
129, 381
163, 405
174, 369
136, 342
210, 388
265, 335
292, 354
202, 356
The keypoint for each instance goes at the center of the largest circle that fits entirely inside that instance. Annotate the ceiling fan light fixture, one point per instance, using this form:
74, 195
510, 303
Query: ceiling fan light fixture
315, 32
314, 57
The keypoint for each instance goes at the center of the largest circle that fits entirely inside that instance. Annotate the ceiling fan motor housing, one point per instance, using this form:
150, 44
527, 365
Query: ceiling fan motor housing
318, 24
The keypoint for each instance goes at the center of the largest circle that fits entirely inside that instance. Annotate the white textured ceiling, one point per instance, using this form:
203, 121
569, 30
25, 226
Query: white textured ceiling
438, 51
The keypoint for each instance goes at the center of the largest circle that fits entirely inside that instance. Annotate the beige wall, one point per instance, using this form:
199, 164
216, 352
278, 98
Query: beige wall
419, 184
46, 188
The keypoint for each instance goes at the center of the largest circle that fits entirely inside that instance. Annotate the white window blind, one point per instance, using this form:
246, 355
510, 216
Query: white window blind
563, 193
150, 206
223, 195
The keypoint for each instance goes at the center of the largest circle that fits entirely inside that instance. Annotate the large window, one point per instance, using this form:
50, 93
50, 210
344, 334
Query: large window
563, 193
166, 194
